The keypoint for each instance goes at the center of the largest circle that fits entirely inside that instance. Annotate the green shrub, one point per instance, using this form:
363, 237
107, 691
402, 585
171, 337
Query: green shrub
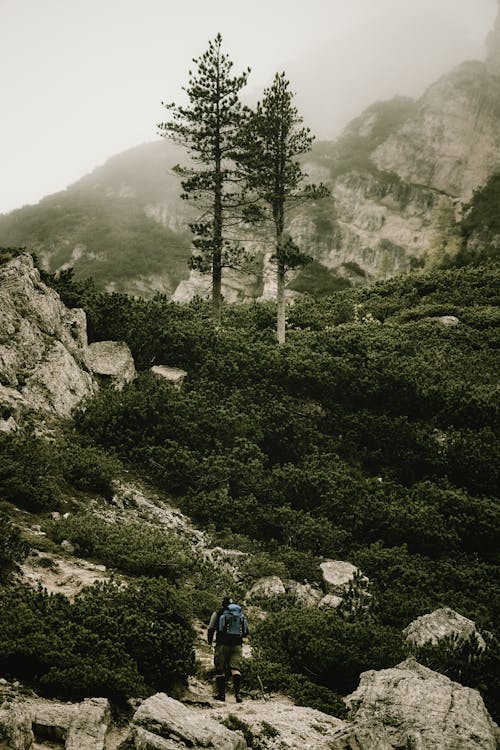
325, 647
134, 548
261, 674
13, 549
111, 641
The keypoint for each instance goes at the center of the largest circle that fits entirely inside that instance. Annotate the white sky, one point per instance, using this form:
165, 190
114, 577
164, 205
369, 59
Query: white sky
81, 80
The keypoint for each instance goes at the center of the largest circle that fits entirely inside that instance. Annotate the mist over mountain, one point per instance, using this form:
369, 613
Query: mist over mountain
396, 170
381, 58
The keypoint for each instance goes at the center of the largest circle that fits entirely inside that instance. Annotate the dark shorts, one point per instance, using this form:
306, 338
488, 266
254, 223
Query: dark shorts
227, 657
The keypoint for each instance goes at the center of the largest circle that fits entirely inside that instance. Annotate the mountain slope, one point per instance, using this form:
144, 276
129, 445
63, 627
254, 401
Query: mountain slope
394, 173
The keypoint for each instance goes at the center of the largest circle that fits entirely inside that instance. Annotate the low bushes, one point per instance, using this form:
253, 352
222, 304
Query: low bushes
112, 641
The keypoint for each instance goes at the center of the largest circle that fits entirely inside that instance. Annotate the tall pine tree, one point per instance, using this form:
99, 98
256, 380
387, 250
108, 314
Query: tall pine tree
208, 127
272, 140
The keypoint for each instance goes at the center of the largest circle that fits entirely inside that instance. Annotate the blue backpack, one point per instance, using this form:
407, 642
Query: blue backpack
232, 621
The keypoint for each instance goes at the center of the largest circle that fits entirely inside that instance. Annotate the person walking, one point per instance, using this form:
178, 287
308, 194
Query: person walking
230, 626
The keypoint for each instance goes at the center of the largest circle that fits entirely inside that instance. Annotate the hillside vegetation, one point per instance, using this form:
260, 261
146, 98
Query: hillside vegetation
371, 436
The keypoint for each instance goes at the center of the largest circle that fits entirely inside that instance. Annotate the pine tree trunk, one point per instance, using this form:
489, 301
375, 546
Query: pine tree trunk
216, 288
280, 292
281, 306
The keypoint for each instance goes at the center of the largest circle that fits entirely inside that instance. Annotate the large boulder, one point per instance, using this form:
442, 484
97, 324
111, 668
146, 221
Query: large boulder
422, 709
42, 347
81, 726
338, 575
268, 587
440, 624
15, 727
113, 361
162, 723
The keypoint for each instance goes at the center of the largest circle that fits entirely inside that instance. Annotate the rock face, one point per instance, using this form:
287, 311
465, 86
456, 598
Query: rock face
452, 144
280, 725
73, 726
111, 360
162, 723
422, 709
42, 346
442, 623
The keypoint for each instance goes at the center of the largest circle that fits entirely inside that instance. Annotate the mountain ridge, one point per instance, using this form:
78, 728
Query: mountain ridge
391, 172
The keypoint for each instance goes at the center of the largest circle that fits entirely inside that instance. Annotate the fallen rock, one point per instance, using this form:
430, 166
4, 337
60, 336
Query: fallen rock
442, 623
447, 320
269, 587
89, 725
337, 575
15, 727
81, 726
422, 709
330, 601
112, 360
162, 723
304, 593
173, 375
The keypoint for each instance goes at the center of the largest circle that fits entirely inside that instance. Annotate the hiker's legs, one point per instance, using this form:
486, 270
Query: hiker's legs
235, 666
220, 672
237, 685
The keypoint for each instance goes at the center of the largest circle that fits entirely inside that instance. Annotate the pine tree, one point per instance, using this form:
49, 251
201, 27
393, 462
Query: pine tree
272, 139
208, 127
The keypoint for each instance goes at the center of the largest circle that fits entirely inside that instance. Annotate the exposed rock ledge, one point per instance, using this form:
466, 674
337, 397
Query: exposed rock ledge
408, 706
46, 365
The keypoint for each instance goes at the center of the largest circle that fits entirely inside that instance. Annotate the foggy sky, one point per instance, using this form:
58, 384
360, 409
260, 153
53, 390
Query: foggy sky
83, 79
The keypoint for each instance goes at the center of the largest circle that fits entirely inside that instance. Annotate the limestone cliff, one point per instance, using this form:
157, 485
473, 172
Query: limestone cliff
46, 365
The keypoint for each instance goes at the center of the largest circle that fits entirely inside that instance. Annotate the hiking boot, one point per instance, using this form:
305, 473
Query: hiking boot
220, 688
237, 687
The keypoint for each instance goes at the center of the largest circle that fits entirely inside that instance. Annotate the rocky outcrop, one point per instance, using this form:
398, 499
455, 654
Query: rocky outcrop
268, 587
422, 709
162, 723
172, 375
452, 144
74, 726
440, 624
112, 361
337, 575
42, 346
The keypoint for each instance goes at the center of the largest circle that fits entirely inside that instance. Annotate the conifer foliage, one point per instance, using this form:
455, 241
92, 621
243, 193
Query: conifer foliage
208, 127
272, 140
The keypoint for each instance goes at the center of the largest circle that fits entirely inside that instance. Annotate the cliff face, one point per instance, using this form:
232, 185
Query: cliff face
42, 347
393, 173
46, 365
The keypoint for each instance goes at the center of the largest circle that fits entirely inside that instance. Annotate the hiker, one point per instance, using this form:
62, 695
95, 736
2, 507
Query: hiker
230, 627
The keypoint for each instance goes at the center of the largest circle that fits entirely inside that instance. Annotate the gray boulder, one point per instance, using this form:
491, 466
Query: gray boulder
42, 345
162, 723
172, 375
269, 587
15, 727
422, 709
111, 360
337, 575
442, 623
